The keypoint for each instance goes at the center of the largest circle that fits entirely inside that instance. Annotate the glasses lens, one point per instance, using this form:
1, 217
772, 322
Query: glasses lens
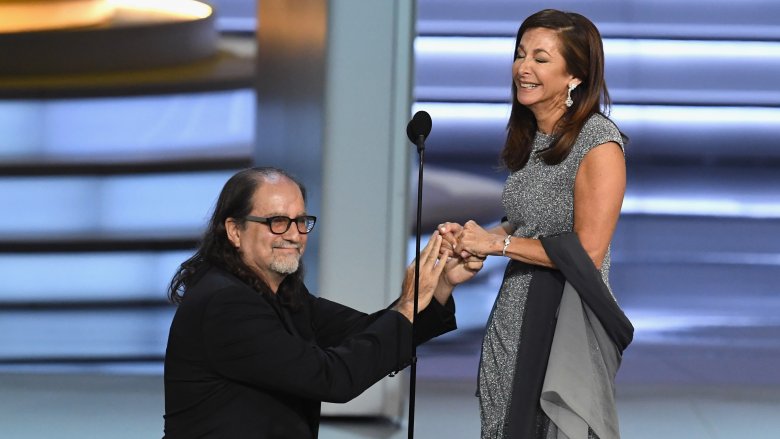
280, 224
305, 223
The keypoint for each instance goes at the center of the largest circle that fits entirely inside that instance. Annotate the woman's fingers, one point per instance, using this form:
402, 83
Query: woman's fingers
449, 227
450, 233
473, 240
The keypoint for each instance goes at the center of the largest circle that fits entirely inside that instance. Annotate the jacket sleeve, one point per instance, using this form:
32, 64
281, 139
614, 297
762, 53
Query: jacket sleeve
333, 322
434, 321
246, 341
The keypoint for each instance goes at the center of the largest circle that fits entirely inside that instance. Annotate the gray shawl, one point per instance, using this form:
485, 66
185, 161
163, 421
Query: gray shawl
568, 366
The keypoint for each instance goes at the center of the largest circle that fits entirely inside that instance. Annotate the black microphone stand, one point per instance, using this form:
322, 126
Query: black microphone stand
417, 130
420, 142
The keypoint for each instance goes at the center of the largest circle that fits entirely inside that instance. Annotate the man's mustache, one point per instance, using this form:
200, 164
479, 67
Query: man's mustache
287, 245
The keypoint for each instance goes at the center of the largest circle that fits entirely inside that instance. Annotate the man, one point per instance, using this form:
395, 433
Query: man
251, 354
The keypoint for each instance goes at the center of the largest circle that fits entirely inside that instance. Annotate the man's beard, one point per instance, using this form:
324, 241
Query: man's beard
285, 264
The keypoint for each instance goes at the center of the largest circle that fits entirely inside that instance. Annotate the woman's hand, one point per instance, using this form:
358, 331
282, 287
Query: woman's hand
431, 269
450, 232
476, 241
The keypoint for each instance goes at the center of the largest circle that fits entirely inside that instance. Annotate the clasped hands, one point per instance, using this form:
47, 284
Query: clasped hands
441, 269
469, 240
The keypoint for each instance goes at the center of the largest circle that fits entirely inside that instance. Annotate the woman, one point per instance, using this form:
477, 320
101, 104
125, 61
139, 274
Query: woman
567, 175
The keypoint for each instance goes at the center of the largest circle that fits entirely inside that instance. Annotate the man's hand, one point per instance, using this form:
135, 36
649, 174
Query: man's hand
431, 269
458, 270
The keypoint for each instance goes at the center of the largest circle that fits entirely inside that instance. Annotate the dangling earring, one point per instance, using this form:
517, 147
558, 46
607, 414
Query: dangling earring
570, 102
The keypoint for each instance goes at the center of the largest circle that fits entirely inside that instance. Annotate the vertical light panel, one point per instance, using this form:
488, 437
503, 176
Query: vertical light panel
334, 96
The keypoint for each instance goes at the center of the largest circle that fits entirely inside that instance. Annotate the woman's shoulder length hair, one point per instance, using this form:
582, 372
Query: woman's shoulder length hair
582, 49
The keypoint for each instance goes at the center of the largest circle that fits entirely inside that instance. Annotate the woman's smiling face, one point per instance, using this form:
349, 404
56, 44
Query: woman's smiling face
540, 73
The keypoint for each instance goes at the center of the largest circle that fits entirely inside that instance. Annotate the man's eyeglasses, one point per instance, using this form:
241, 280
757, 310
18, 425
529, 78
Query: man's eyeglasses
280, 224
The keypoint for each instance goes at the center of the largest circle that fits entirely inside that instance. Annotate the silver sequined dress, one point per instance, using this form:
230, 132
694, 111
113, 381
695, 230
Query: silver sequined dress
539, 201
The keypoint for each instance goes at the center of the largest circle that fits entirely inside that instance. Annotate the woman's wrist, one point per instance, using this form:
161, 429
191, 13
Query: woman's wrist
505, 244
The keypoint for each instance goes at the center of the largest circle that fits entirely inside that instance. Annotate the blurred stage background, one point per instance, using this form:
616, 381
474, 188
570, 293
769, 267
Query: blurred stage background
107, 179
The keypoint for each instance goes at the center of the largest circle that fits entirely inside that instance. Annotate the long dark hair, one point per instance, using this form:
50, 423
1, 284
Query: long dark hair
582, 49
235, 201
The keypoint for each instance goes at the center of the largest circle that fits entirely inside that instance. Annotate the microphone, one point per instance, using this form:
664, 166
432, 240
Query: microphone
418, 129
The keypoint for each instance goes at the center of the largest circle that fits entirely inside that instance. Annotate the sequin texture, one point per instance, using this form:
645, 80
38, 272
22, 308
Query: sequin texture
539, 201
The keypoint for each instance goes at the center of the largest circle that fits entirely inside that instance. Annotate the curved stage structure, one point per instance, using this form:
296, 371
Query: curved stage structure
63, 37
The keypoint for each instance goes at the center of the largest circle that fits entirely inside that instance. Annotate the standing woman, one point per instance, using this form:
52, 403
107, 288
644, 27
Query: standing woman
562, 198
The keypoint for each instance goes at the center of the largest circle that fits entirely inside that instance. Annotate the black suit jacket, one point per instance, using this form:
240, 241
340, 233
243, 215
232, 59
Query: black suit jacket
239, 365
